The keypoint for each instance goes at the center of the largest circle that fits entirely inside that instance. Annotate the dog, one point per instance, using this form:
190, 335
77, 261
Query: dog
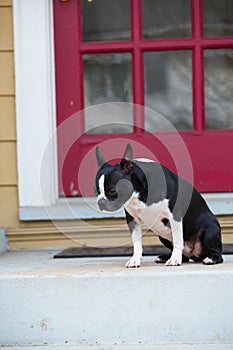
166, 203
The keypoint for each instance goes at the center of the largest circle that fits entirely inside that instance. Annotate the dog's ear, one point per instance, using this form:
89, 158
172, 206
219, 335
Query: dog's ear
128, 154
126, 165
126, 161
100, 158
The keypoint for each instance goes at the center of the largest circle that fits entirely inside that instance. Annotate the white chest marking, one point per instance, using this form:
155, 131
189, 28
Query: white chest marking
151, 215
101, 188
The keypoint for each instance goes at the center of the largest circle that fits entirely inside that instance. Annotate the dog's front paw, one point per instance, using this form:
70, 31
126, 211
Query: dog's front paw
134, 262
175, 259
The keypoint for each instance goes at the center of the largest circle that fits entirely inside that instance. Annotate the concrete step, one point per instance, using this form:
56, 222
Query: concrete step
99, 304
167, 346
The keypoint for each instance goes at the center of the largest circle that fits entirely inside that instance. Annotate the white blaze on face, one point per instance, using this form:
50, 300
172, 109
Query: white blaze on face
101, 188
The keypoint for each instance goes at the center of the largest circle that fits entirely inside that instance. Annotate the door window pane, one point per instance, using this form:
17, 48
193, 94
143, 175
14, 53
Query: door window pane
218, 17
107, 79
166, 18
219, 88
106, 20
168, 89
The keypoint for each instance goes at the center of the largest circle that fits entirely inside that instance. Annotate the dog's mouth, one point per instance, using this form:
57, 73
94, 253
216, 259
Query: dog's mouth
105, 204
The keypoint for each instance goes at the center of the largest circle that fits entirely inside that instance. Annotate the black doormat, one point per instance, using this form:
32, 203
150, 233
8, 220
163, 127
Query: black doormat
150, 250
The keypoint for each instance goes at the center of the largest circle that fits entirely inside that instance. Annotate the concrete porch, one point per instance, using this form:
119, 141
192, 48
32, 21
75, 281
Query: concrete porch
98, 304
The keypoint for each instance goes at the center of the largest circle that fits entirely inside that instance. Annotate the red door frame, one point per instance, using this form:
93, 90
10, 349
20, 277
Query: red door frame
212, 167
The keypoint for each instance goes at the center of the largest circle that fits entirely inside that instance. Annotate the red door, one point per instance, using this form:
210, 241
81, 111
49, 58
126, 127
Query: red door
174, 57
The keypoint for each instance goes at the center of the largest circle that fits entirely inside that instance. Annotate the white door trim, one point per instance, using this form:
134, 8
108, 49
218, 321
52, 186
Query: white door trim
35, 100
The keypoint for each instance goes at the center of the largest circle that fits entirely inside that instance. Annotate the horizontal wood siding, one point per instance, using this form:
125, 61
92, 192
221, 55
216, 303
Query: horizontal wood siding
94, 233
8, 164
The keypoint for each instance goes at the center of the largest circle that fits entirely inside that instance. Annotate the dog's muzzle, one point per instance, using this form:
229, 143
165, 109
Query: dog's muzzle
124, 191
108, 205
102, 203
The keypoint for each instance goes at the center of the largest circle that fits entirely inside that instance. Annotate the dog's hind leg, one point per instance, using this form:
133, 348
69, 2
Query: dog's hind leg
212, 245
161, 259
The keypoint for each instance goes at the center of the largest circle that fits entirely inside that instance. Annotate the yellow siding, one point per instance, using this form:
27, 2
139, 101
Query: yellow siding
6, 34
5, 3
6, 70
8, 168
7, 118
9, 206
8, 158
100, 233
46, 234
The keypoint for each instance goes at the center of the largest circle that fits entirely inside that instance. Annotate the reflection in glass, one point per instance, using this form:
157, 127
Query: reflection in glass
109, 118
106, 20
166, 18
218, 17
168, 89
107, 78
219, 88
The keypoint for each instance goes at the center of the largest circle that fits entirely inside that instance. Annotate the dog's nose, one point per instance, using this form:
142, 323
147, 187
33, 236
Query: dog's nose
101, 203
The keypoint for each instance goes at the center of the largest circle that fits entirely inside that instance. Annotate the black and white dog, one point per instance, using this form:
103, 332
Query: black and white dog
166, 203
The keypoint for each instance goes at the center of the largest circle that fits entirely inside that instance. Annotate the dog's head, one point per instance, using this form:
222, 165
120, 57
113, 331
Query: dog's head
112, 182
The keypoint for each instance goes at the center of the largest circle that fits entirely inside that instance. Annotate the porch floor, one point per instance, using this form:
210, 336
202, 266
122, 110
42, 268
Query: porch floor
97, 303
41, 262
